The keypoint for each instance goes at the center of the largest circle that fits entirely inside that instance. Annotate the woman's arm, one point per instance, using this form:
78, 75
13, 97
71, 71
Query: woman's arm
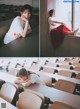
26, 30
18, 81
26, 84
51, 21
58, 22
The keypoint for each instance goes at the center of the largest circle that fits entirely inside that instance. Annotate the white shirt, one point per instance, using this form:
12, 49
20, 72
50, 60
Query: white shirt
51, 24
17, 26
36, 79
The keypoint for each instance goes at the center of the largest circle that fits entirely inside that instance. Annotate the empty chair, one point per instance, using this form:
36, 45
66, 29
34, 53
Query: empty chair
13, 71
77, 68
76, 64
48, 70
34, 63
78, 76
8, 92
38, 94
28, 100
75, 61
66, 86
65, 73
65, 66
35, 67
60, 105
1, 83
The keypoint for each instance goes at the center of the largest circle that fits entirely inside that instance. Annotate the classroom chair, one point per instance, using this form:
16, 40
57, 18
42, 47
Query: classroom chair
66, 86
8, 91
29, 100
65, 73
78, 76
48, 70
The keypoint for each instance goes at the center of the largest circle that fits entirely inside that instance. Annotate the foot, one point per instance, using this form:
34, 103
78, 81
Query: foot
75, 31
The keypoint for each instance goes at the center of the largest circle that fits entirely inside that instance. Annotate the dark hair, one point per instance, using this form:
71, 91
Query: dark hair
27, 7
51, 12
23, 72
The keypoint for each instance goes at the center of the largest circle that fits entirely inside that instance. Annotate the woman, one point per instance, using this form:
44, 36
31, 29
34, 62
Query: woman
26, 78
20, 26
58, 29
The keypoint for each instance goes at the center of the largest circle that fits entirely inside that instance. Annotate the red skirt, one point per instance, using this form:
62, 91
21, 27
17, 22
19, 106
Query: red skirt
57, 35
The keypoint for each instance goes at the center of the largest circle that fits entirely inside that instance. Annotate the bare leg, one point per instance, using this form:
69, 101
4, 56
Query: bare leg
72, 32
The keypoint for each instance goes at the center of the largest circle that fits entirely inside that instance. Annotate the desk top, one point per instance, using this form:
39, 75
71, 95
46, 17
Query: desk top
57, 95
23, 47
7, 77
8, 105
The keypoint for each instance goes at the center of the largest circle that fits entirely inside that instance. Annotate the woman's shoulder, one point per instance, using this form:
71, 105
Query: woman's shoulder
51, 18
33, 75
17, 18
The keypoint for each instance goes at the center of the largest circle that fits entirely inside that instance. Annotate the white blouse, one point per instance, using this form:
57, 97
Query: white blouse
36, 79
17, 26
51, 24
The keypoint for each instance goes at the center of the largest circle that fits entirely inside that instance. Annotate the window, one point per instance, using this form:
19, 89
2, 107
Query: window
68, 12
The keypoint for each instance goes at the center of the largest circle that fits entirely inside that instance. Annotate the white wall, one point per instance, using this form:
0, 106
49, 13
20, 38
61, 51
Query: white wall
50, 5
77, 16
63, 12
20, 2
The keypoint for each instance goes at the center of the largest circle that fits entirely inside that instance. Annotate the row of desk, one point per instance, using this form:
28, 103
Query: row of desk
57, 77
52, 93
57, 95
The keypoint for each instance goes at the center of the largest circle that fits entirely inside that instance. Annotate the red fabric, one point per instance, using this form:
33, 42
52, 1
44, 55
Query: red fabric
57, 35
62, 29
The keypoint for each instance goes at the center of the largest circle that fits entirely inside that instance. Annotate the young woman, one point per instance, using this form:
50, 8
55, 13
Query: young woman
58, 29
20, 26
26, 78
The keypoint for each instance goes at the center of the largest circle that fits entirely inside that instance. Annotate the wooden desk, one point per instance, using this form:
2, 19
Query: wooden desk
7, 77
8, 105
23, 47
58, 68
57, 95
57, 77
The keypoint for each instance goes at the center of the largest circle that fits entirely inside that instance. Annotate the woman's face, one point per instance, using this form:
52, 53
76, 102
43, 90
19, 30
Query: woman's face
53, 14
26, 14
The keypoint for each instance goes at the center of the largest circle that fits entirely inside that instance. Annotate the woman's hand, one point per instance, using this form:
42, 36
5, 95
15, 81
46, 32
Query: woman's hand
17, 35
62, 23
26, 84
26, 20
